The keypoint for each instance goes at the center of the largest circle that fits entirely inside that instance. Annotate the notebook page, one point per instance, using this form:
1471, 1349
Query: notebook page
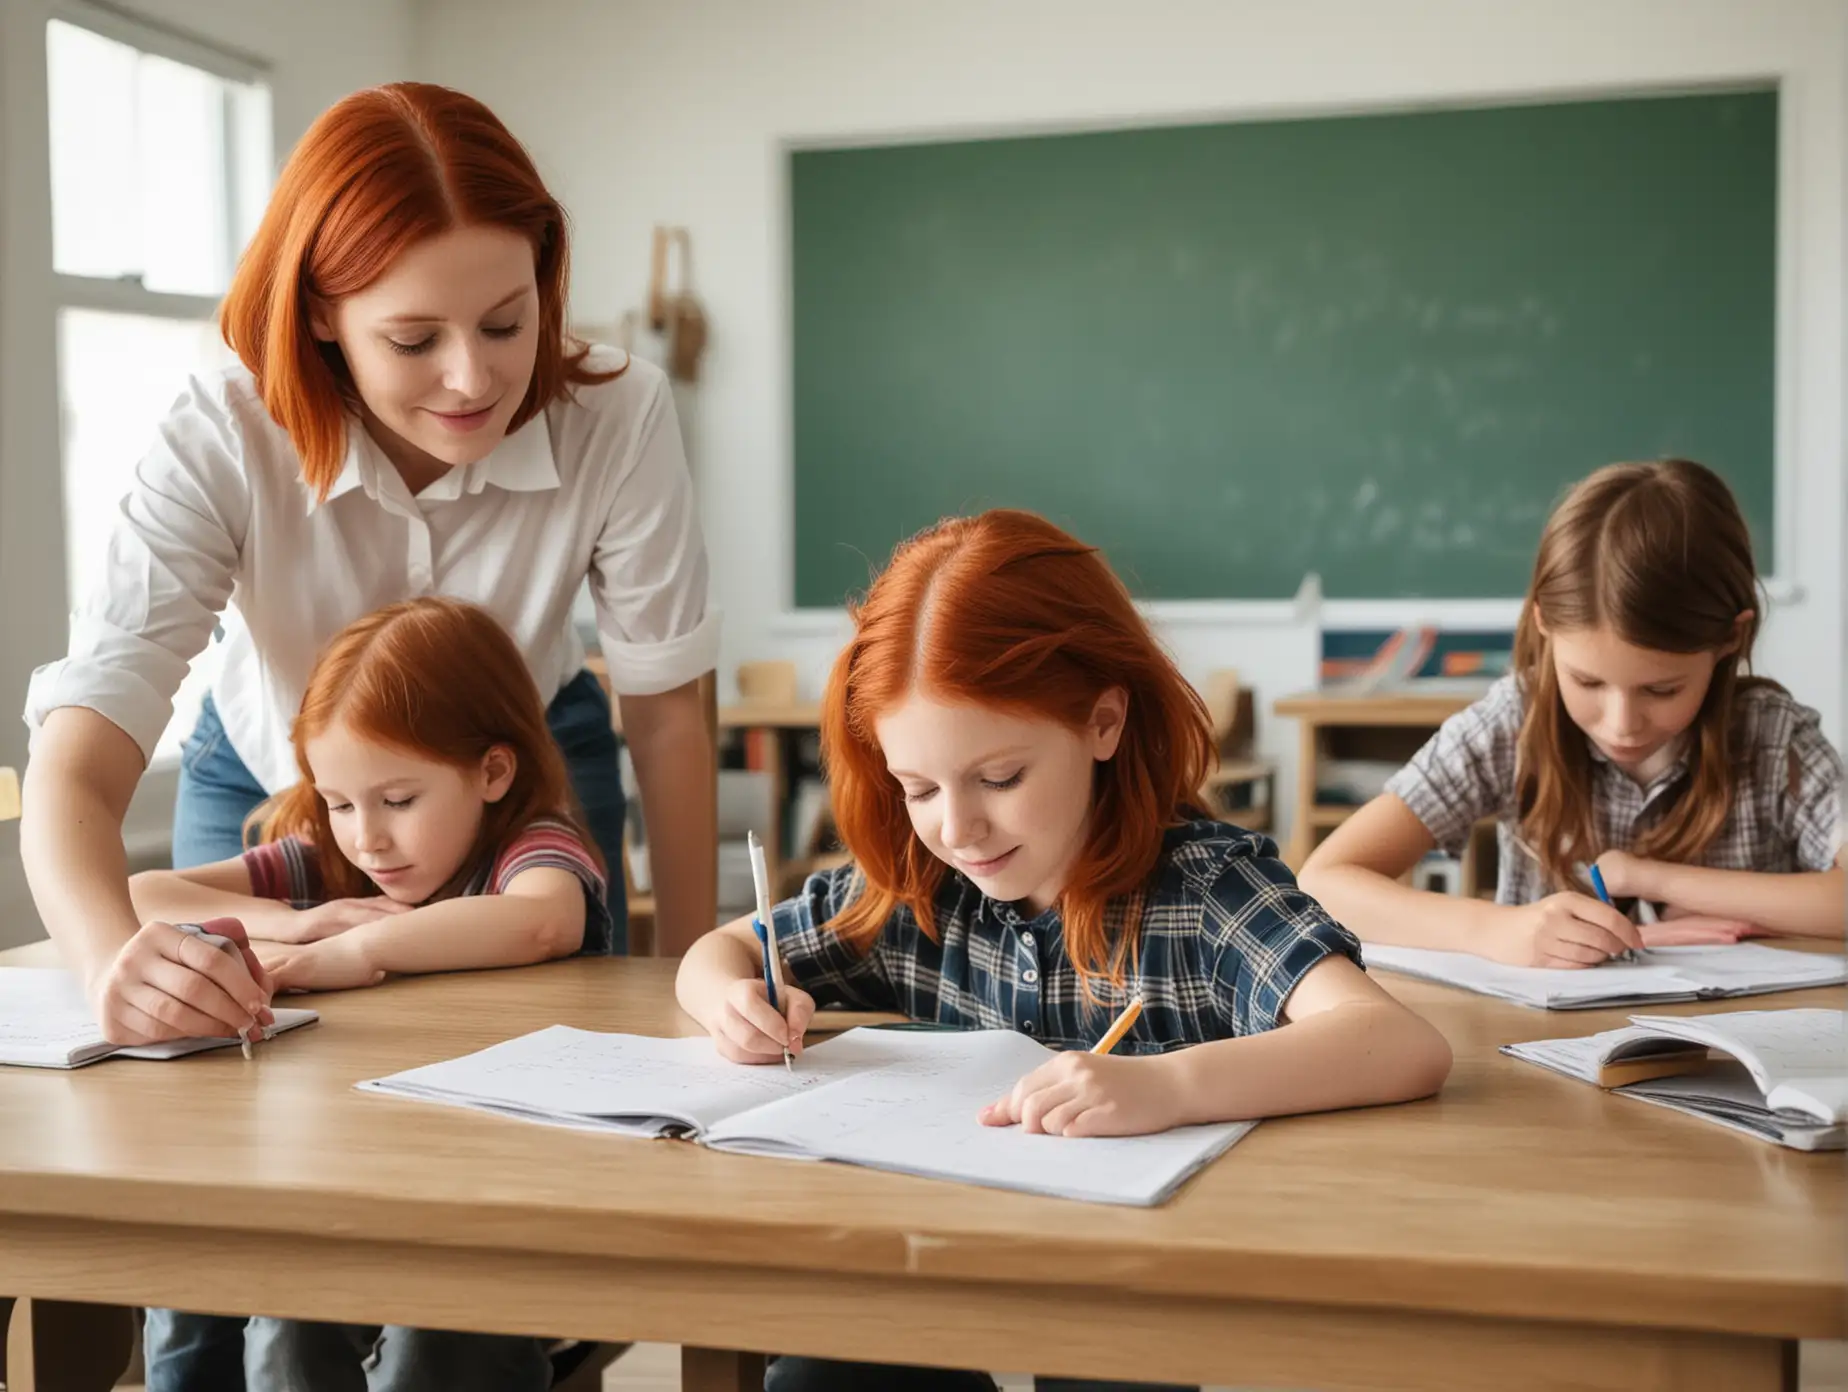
581, 1076
1554, 988
1744, 968
919, 1115
1576, 1058
1727, 1094
1780, 1048
45, 1022
1664, 974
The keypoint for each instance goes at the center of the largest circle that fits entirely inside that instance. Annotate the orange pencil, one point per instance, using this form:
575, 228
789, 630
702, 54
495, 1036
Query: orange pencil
1119, 1027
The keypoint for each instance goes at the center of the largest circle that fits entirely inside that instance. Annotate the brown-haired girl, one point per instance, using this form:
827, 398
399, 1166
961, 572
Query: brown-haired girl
1629, 735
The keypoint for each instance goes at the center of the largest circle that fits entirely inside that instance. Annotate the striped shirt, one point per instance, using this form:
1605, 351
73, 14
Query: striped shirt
1226, 935
1787, 797
290, 870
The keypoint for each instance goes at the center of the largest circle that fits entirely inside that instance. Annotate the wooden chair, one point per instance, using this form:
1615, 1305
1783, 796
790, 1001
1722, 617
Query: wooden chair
1234, 729
768, 683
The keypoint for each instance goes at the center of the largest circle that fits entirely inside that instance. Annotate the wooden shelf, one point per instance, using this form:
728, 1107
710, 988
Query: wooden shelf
1331, 814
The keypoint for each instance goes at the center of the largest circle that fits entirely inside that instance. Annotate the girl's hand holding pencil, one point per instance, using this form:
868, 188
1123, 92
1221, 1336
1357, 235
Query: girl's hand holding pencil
1094, 1094
1085, 1094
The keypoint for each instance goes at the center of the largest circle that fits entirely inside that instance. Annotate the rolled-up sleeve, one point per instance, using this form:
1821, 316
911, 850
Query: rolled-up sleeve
1812, 793
1465, 772
169, 568
648, 574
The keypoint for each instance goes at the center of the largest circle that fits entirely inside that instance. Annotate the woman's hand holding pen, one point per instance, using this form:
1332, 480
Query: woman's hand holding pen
164, 984
1087, 1094
1562, 930
748, 1029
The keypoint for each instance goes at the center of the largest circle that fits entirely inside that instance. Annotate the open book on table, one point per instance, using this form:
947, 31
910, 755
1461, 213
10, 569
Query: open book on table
1783, 1077
889, 1099
45, 1022
1660, 974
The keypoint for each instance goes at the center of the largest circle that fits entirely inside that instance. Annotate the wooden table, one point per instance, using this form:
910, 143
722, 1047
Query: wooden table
1520, 1232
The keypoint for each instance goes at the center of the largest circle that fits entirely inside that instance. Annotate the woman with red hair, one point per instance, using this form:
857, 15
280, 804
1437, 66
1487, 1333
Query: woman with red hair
409, 418
1013, 763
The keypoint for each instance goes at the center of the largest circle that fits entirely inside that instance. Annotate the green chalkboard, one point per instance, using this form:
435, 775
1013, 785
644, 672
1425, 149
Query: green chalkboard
1376, 347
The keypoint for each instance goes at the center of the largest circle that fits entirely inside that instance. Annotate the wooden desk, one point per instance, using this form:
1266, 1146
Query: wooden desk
1520, 1232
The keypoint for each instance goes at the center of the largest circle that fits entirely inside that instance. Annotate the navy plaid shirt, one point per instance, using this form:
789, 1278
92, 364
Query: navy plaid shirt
1226, 935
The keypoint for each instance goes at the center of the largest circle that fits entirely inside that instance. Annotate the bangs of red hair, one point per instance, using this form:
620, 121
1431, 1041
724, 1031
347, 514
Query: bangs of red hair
440, 680
378, 172
1005, 610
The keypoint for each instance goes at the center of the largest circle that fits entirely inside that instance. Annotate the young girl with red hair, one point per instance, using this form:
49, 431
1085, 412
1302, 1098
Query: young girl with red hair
1013, 763
433, 829
408, 418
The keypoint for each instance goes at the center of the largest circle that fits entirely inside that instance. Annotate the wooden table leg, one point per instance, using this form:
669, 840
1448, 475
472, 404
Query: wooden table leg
63, 1346
719, 1370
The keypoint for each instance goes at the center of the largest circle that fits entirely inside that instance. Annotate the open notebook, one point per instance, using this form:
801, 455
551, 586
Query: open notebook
889, 1099
1786, 1079
45, 1022
1661, 974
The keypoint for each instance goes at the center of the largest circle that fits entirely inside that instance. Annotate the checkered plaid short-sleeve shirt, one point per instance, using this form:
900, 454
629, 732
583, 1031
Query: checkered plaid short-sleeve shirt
1226, 936
1786, 811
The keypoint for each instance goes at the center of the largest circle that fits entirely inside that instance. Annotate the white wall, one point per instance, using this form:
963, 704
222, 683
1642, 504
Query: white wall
640, 112
315, 53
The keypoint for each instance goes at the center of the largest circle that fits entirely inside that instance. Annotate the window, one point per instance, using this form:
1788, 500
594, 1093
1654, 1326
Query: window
160, 167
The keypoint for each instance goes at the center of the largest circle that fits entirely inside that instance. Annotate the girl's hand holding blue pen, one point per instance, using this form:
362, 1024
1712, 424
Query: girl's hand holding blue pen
1562, 930
748, 1029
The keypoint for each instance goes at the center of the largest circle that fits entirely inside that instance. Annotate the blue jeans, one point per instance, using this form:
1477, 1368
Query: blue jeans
205, 1353
302, 1356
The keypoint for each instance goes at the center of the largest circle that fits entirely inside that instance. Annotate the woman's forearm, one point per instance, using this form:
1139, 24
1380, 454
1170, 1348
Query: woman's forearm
82, 774
1358, 1054
1809, 905
672, 749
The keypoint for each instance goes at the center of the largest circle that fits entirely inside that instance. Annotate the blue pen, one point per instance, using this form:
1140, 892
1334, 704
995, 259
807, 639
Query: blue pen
1597, 883
763, 941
